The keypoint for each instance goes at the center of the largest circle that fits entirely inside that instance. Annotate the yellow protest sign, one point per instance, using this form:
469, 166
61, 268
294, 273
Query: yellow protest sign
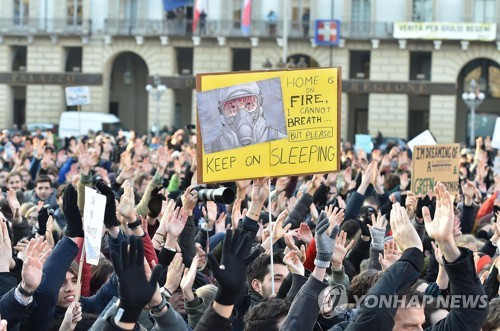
435, 163
268, 123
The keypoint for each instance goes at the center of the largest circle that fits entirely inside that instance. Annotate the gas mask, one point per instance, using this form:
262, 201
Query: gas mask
241, 112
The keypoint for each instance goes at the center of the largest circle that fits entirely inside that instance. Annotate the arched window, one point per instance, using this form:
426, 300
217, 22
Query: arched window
486, 73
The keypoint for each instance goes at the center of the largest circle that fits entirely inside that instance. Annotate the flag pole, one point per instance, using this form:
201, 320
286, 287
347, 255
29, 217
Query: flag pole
285, 30
273, 291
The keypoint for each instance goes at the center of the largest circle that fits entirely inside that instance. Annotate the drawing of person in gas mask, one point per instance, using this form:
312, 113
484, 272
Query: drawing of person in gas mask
241, 113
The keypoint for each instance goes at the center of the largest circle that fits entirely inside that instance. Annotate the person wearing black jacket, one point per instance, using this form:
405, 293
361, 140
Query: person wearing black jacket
398, 278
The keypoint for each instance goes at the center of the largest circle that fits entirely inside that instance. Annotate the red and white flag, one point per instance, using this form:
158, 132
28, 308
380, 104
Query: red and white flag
199, 6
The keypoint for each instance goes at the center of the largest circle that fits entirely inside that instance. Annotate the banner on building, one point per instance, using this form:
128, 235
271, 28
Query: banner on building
432, 164
495, 141
77, 95
268, 123
445, 31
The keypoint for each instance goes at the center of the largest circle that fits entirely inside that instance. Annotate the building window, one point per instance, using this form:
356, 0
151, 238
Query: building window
73, 59
237, 13
422, 11
418, 117
420, 65
484, 11
75, 12
21, 12
184, 60
361, 11
19, 58
359, 65
241, 59
486, 73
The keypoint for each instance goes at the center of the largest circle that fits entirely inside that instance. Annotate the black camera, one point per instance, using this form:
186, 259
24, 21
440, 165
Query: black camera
222, 195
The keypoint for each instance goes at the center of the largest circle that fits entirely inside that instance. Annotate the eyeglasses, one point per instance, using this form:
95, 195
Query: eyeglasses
232, 106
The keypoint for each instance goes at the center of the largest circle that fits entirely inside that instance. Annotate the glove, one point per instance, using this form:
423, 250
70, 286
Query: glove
155, 202
378, 236
135, 290
110, 219
43, 217
325, 244
74, 227
231, 273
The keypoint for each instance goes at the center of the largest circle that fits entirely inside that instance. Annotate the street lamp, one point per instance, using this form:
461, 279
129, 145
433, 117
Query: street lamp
472, 99
157, 90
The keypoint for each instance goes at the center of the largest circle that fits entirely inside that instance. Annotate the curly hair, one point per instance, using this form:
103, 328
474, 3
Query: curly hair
362, 283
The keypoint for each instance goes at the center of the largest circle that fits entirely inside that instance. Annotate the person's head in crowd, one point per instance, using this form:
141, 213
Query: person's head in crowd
53, 174
410, 314
469, 241
141, 182
177, 301
391, 182
68, 288
31, 215
259, 274
25, 177
352, 228
3, 175
100, 275
433, 314
493, 320
207, 293
59, 194
14, 181
268, 315
362, 283
43, 187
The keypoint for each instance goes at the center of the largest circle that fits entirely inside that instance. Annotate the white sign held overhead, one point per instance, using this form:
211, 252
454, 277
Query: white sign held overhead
93, 221
495, 141
425, 138
77, 95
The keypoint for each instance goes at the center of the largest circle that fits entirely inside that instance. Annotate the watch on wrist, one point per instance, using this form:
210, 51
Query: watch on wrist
135, 224
24, 292
158, 308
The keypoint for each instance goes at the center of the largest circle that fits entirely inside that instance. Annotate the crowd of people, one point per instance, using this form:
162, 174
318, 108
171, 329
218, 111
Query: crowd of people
352, 250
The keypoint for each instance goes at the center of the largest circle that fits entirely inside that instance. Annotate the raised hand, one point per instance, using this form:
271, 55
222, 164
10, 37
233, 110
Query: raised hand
110, 219
189, 200
305, 233
176, 222
126, 209
13, 203
220, 223
74, 227
293, 263
174, 273
135, 289
278, 229
403, 231
437, 254
441, 227
33, 265
72, 316
260, 190
391, 255
155, 202
325, 242
210, 213
341, 250
5, 248
231, 273
188, 279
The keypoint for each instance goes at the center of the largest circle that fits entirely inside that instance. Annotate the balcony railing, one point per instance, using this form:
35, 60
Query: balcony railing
232, 28
30, 26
